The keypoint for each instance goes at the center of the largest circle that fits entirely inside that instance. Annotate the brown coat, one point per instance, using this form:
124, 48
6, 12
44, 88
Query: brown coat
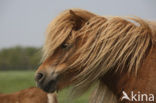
30, 95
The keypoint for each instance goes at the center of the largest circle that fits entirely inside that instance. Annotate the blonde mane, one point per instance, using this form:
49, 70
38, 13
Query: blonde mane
113, 43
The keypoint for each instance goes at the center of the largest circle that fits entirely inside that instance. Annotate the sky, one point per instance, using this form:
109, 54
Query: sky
23, 22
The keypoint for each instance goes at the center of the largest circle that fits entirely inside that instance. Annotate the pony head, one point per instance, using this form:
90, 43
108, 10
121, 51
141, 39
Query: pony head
81, 47
61, 51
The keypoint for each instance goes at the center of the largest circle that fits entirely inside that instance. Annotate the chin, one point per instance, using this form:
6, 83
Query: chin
49, 87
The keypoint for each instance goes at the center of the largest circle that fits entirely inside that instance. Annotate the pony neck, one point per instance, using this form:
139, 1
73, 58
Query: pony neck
142, 82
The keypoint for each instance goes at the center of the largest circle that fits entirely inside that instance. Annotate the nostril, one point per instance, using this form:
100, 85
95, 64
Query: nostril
39, 77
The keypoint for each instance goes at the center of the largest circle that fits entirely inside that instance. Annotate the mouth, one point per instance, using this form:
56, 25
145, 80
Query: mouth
48, 87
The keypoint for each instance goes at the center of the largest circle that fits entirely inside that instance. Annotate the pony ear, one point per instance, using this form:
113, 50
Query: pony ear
77, 19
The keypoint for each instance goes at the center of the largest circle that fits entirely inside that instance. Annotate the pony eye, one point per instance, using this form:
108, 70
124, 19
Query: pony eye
64, 45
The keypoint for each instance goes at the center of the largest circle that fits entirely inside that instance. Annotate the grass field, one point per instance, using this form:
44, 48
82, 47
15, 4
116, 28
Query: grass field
12, 81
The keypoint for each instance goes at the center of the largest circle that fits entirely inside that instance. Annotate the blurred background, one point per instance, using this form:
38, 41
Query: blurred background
22, 29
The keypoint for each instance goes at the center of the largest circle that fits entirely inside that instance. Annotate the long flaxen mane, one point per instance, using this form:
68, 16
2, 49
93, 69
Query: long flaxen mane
111, 43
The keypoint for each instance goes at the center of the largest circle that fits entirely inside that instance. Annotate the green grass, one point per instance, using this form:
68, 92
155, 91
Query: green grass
12, 81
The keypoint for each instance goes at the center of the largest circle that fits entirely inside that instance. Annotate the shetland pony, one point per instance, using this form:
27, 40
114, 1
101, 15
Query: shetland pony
30, 95
116, 54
